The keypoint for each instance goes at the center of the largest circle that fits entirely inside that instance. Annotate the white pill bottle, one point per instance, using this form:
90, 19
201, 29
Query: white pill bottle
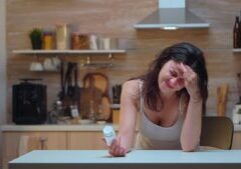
109, 134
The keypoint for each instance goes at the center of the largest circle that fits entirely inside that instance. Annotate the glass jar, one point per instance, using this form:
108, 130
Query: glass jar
62, 36
75, 41
48, 40
79, 41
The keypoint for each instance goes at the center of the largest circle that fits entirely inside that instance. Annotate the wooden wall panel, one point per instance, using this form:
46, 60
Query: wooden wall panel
116, 19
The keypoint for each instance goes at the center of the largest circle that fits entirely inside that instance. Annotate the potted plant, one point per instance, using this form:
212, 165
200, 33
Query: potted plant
36, 38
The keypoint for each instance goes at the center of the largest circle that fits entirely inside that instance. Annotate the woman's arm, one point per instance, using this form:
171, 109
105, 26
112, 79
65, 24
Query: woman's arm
128, 115
191, 129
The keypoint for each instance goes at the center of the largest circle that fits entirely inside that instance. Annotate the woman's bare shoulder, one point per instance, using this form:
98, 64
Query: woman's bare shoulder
132, 87
132, 84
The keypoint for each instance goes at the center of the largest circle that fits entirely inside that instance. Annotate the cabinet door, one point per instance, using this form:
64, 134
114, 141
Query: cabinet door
15, 146
236, 140
91, 140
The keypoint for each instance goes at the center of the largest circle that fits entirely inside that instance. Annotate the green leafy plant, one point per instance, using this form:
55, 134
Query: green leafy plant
35, 36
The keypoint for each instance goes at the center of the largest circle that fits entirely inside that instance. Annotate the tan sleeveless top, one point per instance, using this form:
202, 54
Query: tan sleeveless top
152, 136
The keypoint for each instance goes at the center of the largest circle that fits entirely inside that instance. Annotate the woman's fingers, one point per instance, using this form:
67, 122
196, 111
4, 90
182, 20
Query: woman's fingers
188, 74
192, 75
190, 81
115, 148
184, 69
121, 151
117, 152
114, 144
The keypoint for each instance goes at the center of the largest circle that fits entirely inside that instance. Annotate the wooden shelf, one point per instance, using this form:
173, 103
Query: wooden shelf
56, 52
30, 51
236, 50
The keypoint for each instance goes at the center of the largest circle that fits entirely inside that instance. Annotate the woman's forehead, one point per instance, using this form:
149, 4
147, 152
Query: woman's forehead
173, 63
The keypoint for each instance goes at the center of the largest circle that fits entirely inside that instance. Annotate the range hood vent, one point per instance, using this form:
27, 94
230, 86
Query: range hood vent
171, 14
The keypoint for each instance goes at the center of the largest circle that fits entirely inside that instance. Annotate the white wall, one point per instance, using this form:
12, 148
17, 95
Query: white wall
3, 59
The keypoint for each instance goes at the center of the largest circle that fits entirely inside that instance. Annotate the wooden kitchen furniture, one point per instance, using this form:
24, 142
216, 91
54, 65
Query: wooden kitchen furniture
63, 137
50, 137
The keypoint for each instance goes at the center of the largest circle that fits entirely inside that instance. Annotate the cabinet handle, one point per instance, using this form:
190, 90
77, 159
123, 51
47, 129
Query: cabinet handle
43, 145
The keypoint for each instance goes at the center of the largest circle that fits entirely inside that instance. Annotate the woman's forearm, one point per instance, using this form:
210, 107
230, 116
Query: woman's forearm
191, 129
126, 140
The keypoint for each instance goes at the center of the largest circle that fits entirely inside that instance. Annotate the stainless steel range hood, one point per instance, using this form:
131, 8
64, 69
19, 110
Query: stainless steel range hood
171, 14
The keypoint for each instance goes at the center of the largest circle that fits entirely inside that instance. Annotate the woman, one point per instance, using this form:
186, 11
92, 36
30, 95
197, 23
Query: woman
167, 103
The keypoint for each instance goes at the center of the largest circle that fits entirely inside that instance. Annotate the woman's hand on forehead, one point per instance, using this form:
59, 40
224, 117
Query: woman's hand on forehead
179, 69
183, 69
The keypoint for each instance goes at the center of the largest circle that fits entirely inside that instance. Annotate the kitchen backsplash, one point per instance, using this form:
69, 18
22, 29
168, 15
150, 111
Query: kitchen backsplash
115, 19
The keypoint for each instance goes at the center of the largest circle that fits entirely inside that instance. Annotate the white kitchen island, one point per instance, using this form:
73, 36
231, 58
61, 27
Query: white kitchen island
137, 159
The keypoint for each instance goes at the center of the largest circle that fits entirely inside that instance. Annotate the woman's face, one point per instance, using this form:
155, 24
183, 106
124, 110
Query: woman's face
170, 77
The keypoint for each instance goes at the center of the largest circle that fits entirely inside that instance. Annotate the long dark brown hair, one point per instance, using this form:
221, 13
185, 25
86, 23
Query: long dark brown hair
183, 52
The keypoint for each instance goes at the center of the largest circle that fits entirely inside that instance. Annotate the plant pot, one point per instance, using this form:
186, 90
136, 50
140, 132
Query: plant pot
36, 43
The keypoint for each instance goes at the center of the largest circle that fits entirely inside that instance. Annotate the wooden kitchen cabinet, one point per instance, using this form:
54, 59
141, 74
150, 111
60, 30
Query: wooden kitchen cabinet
36, 141
61, 140
53, 140
89, 140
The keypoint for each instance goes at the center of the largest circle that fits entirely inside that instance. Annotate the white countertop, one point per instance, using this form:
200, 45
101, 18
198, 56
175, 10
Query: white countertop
94, 159
135, 156
77, 127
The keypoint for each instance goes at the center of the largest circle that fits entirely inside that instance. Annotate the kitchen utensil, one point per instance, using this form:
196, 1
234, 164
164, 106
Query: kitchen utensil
96, 89
222, 94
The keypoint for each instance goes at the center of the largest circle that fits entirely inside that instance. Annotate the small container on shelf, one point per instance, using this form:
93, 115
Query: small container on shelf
48, 40
94, 41
107, 43
79, 41
62, 37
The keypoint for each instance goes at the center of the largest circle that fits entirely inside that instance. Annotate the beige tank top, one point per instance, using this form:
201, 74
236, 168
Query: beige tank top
154, 137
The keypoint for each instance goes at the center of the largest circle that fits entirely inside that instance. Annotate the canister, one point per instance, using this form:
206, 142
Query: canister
62, 37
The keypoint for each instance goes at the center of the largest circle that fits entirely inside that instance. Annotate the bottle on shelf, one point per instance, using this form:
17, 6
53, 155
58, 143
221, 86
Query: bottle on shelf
236, 33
